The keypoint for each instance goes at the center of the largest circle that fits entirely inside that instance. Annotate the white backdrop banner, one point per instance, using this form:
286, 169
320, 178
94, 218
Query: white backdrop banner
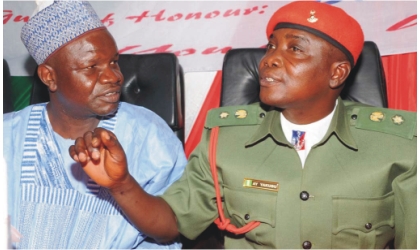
200, 32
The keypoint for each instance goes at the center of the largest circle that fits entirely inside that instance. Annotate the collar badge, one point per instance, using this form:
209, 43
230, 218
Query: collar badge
312, 18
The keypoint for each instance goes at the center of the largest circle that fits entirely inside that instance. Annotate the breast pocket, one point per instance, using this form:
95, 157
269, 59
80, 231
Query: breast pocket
363, 223
244, 205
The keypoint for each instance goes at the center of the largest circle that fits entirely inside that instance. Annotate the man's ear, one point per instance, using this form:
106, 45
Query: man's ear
47, 75
339, 73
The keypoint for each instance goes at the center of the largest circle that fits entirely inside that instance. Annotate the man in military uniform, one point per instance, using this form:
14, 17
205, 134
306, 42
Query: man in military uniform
311, 172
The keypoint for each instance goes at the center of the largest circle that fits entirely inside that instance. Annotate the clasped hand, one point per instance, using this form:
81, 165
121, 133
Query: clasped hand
102, 158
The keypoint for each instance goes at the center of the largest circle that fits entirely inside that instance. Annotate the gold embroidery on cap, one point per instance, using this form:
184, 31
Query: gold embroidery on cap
259, 184
312, 18
397, 119
377, 116
224, 115
241, 113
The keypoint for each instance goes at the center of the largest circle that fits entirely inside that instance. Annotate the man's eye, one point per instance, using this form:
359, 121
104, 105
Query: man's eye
296, 49
90, 67
270, 46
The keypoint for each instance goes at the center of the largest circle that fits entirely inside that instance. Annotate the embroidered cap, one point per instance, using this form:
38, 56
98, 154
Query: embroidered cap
323, 20
56, 25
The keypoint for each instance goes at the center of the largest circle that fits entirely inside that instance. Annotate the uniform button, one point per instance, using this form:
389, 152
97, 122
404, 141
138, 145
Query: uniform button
354, 117
262, 115
368, 226
307, 245
304, 195
247, 216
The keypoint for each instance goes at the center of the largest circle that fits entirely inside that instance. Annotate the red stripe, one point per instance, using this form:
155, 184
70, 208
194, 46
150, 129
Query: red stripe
212, 101
401, 80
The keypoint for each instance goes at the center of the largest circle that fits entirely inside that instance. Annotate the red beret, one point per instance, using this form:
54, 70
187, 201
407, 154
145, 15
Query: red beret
323, 20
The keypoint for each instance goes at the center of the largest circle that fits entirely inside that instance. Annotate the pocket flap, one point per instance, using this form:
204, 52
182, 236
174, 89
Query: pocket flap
364, 214
246, 205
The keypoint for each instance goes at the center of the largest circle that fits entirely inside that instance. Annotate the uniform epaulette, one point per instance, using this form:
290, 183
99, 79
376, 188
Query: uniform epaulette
390, 121
235, 116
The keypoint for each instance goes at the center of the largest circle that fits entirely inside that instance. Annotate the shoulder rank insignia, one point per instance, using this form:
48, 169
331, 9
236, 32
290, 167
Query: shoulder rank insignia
241, 113
224, 115
377, 116
397, 119
390, 121
234, 116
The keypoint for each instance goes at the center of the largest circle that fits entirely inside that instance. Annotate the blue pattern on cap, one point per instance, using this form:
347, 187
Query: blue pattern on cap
56, 25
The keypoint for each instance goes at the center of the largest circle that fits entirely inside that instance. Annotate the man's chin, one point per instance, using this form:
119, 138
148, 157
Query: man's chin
111, 110
267, 99
271, 102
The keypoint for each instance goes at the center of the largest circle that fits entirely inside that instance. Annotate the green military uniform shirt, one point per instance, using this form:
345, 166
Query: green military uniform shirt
357, 188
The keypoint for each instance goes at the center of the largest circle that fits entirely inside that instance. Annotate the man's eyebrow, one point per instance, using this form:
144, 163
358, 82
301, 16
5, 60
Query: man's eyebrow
302, 38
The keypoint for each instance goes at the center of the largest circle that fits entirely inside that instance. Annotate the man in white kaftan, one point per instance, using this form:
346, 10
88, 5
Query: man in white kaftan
51, 200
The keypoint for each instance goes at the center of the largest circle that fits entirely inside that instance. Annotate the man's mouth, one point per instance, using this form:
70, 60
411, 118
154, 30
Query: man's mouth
112, 97
112, 93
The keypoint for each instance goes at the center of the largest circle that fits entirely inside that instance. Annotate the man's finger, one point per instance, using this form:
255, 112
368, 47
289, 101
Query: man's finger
92, 144
80, 149
112, 144
73, 153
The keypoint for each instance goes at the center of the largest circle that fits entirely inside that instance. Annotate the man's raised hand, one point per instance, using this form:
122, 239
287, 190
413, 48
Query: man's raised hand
102, 157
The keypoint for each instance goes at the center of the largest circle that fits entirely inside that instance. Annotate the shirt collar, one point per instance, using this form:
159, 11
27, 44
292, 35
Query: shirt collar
271, 127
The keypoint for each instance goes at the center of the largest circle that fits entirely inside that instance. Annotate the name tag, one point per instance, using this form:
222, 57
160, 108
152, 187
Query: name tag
260, 184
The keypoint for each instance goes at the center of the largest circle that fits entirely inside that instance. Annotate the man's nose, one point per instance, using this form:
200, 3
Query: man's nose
111, 75
273, 60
